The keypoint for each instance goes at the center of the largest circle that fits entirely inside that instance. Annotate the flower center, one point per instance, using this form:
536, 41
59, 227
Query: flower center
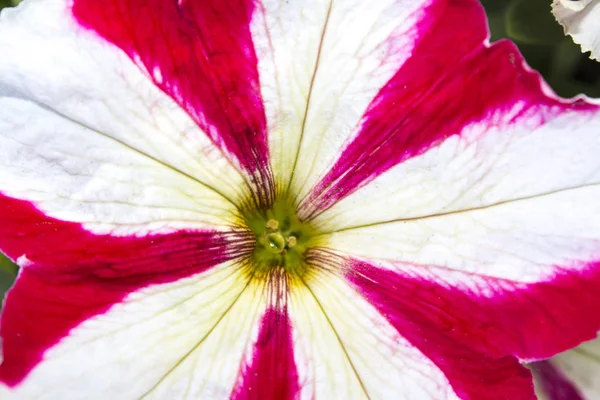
281, 239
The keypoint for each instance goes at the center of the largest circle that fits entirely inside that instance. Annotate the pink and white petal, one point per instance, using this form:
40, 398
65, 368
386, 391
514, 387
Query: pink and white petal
498, 317
40, 242
580, 20
70, 78
184, 339
70, 276
581, 366
402, 68
201, 54
492, 132
512, 257
348, 51
362, 353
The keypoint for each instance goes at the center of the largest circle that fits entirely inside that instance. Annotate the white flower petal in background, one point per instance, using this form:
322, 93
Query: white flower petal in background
572, 375
581, 20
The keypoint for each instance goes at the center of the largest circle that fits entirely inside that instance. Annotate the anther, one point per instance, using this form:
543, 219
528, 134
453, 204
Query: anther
273, 224
291, 241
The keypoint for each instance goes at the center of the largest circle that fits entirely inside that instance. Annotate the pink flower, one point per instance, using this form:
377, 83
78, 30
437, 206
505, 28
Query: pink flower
281, 199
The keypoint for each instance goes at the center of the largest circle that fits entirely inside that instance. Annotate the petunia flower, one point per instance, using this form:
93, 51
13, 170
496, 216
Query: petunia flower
278, 199
581, 20
572, 375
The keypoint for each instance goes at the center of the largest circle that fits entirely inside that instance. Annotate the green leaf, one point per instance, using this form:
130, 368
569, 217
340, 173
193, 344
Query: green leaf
538, 57
8, 266
572, 72
494, 6
531, 22
8, 273
6, 281
497, 26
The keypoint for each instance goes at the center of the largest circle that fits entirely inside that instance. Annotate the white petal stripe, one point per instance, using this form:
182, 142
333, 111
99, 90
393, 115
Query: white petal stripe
341, 73
75, 174
522, 241
358, 351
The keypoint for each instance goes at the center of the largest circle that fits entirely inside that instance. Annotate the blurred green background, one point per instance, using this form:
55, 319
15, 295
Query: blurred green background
528, 23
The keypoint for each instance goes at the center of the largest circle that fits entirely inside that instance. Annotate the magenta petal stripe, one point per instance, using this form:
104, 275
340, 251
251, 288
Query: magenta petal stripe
271, 373
422, 312
70, 275
507, 319
204, 59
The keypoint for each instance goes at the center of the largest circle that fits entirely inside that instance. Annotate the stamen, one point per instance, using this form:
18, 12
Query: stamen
273, 224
